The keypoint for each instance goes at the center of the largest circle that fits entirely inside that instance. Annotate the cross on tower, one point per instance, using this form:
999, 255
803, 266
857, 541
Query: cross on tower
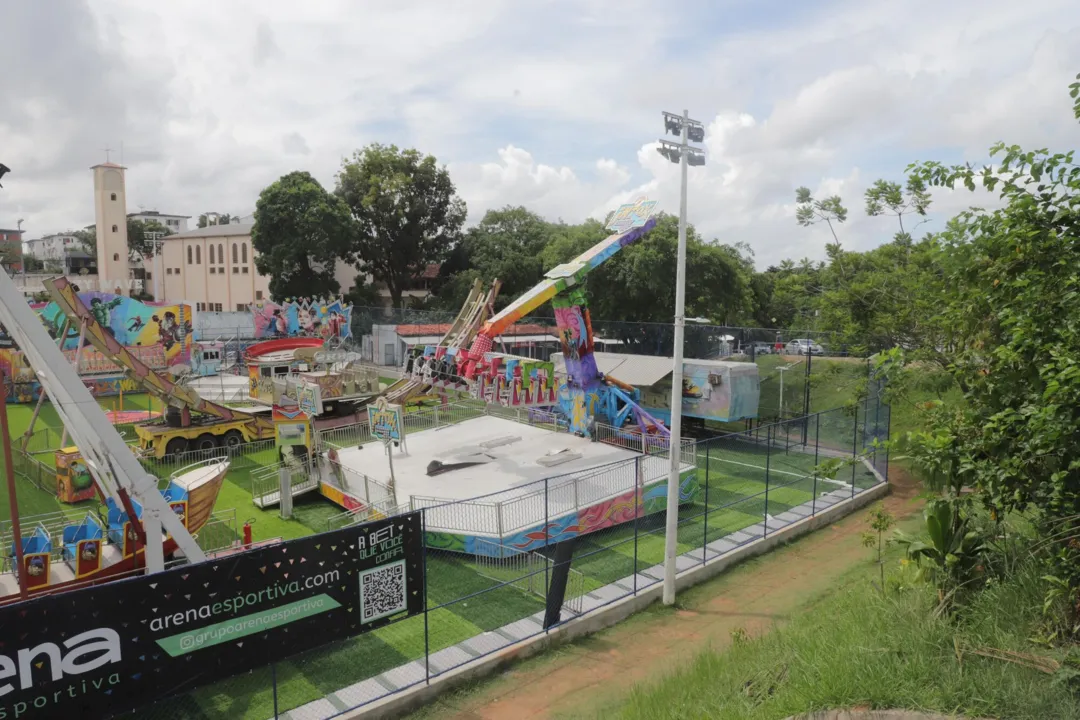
107, 151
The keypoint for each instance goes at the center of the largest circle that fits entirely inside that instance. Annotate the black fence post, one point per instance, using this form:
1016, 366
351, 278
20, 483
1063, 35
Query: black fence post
705, 531
547, 561
768, 455
423, 565
806, 394
556, 594
817, 444
638, 509
888, 436
273, 680
854, 449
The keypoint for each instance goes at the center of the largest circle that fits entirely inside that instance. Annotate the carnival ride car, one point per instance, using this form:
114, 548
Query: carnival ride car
464, 359
150, 524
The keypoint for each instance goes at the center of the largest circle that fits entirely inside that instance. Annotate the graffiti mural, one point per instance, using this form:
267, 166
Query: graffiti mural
308, 317
132, 323
608, 513
159, 335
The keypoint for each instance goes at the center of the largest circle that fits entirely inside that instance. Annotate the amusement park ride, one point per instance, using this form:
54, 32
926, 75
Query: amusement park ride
144, 525
464, 360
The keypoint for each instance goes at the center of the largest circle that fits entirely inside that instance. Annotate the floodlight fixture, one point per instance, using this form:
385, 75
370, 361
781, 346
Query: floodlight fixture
4, 170
670, 150
695, 133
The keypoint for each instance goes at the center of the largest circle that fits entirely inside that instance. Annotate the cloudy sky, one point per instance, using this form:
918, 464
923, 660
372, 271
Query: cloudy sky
552, 104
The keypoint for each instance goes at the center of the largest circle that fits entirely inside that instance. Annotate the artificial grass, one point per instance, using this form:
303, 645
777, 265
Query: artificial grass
463, 602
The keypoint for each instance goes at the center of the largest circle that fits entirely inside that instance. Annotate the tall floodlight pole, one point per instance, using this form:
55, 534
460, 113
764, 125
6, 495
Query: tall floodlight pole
685, 155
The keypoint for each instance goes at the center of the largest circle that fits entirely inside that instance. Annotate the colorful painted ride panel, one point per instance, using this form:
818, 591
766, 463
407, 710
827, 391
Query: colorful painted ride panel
609, 513
306, 317
132, 323
339, 497
158, 336
156, 383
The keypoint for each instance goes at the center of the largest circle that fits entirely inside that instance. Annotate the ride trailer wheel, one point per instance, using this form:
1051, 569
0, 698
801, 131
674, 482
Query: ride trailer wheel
233, 439
176, 446
206, 441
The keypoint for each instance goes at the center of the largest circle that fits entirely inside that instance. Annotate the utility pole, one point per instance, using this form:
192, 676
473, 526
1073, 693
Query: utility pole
685, 155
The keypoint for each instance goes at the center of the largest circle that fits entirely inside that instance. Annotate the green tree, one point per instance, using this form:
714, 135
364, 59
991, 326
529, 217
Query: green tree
810, 211
888, 198
139, 244
637, 286
362, 293
33, 264
1013, 279
506, 245
87, 239
300, 233
213, 218
406, 210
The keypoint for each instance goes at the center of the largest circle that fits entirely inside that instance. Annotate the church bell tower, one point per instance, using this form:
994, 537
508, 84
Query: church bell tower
110, 212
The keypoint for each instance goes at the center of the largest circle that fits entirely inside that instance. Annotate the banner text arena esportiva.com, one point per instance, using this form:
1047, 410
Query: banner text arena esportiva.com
238, 602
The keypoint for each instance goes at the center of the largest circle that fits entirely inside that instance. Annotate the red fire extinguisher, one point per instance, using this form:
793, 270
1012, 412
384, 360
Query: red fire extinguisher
247, 533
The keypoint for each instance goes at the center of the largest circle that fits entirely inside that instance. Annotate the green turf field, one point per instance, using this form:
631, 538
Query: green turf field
732, 496
310, 512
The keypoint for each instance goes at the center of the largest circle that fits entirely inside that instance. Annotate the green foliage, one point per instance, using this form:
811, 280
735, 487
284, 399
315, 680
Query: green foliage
888, 198
1014, 303
880, 521
300, 231
363, 293
32, 263
951, 552
810, 211
139, 244
506, 245
406, 210
87, 239
637, 284
212, 218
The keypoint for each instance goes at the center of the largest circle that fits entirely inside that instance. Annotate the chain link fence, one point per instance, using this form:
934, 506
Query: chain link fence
746, 485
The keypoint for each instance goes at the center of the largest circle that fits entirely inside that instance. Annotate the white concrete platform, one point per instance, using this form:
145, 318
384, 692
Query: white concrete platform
503, 491
501, 467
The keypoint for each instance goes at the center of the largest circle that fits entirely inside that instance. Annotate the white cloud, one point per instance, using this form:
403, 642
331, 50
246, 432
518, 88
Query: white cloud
553, 105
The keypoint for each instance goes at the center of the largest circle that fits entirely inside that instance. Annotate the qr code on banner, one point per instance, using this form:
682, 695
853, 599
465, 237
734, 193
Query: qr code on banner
382, 591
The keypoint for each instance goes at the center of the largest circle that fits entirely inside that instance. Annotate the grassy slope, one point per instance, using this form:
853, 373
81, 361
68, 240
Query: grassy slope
858, 649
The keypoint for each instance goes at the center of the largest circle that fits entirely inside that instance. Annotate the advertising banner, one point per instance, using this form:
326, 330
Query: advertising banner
384, 420
162, 634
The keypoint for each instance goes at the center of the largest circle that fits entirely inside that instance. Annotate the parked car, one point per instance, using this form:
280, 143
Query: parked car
762, 348
803, 346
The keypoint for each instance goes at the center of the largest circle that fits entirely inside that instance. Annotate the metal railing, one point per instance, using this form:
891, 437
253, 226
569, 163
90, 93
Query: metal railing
367, 489
240, 457
266, 483
364, 514
529, 572
750, 485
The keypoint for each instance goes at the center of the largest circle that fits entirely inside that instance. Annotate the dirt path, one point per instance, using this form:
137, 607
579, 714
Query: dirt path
585, 676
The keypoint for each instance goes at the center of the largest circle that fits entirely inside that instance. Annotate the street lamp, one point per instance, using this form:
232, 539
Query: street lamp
684, 154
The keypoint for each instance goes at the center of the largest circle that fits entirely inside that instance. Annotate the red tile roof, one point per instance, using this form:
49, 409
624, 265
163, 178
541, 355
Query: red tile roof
430, 272
441, 328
